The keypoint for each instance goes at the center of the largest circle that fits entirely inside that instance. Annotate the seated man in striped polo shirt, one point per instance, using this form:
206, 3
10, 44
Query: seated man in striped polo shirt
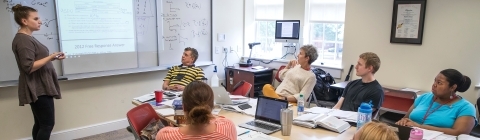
180, 76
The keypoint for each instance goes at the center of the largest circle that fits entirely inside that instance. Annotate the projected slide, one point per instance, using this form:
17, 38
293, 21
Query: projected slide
96, 35
96, 26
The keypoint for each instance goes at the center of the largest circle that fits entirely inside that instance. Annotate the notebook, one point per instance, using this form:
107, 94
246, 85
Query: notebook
323, 120
254, 135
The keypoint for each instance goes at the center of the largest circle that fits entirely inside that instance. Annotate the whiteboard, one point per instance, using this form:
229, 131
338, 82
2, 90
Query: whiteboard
189, 20
186, 23
47, 35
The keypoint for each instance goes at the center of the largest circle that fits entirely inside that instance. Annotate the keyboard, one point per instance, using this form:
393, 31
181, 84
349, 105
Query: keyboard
263, 126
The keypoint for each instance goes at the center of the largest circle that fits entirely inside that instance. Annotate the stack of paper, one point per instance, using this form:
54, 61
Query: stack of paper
467, 137
430, 134
250, 111
242, 131
410, 89
145, 98
254, 135
165, 112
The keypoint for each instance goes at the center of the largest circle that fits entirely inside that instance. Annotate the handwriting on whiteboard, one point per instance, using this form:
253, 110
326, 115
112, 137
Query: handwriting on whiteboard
47, 36
46, 22
144, 8
37, 2
181, 29
193, 5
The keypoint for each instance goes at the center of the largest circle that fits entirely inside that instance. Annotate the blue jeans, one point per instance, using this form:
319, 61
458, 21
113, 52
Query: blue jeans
44, 115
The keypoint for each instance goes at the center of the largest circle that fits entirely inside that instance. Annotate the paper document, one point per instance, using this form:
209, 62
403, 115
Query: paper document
445, 137
348, 115
145, 97
237, 97
430, 134
467, 137
216, 111
170, 102
319, 110
165, 112
409, 89
254, 135
242, 131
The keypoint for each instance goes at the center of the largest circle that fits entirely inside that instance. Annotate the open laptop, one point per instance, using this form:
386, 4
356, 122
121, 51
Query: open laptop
403, 132
222, 97
267, 115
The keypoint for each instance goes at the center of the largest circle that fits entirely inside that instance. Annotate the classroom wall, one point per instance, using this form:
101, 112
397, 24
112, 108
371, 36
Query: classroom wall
98, 100
450, 40
293, 10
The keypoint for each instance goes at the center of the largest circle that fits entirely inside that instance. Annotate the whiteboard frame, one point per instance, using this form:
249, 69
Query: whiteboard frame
61, 75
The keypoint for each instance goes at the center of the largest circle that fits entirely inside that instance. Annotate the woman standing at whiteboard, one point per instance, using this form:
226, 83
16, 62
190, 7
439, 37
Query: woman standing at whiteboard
38, 83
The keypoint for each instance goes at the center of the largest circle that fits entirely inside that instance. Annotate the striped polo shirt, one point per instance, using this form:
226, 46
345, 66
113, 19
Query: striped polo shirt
226, 130
183, 75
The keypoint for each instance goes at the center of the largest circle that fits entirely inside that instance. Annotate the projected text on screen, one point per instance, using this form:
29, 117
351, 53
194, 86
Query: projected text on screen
96, 26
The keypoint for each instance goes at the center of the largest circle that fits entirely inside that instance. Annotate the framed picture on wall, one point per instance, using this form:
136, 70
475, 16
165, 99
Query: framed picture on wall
407, 21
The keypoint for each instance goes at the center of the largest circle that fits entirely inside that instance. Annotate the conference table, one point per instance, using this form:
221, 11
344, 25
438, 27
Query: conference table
298, 133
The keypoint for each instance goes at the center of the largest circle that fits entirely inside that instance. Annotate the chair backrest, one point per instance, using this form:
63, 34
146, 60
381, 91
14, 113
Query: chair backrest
243, 89
477, 104
140, 116
277, 75
398, 101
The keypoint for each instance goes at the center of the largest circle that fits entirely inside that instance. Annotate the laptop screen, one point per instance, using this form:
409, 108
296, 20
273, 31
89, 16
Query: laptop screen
268, 109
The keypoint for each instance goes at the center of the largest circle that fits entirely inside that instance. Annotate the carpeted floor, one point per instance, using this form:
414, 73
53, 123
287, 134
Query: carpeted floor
121, 134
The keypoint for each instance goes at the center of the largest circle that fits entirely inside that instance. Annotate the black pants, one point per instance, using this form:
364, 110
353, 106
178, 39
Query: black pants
44, 115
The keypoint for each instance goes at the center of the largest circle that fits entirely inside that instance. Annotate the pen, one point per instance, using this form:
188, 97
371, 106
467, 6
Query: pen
243, 133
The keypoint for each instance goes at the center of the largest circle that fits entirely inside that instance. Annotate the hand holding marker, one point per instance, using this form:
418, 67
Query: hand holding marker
60, 55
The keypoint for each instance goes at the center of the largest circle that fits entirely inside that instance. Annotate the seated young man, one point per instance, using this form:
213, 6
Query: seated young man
180, 76
364, 90
297, 77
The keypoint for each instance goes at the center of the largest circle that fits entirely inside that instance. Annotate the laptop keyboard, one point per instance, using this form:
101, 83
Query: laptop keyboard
262, 125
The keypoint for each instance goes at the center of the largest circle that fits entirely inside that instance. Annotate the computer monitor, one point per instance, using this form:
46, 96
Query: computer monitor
287, 31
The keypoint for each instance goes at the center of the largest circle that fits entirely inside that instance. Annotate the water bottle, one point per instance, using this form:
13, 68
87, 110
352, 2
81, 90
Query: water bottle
300, 105
416, 134
364, 114
214, 81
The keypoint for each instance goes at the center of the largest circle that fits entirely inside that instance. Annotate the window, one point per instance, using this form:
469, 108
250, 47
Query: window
266, 12
326, 20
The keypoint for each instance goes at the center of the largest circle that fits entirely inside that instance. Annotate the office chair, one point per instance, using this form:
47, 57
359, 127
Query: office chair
242, 88
476, 130
140, 116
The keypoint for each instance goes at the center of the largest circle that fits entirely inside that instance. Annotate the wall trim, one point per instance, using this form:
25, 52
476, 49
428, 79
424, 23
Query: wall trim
86, 131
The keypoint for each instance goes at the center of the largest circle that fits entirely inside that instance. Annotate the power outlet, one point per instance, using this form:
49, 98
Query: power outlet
225, 50
218, 50
232, 49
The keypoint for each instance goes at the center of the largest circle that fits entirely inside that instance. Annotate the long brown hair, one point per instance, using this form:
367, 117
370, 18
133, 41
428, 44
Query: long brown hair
197, 100
21, 12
